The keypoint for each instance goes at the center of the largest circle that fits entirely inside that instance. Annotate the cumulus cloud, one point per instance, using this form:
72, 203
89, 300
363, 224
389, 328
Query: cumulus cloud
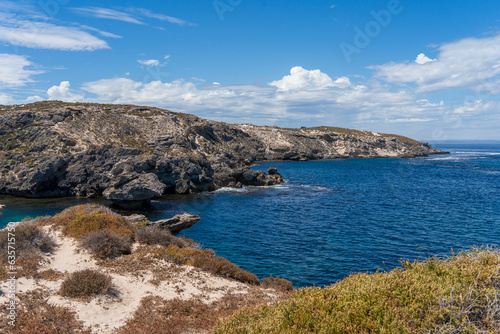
63, 93
14, 70
423, 59
44, 35
301, 78
464, 63
302, 96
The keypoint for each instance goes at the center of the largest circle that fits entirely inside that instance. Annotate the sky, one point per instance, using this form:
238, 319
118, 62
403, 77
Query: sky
426, 69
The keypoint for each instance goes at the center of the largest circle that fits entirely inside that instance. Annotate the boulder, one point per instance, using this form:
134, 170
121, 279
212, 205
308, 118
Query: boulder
177, 223
136, 193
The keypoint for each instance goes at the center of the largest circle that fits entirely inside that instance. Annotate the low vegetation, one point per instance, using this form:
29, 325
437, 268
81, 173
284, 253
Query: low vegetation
30, 242
86, 283
153, 235
82, 219
159, 316
105, 244
454, 295
34, 315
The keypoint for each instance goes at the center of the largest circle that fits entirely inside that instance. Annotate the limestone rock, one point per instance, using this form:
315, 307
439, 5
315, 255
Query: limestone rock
177, 223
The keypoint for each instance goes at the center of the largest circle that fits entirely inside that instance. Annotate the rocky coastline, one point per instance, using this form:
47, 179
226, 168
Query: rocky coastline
132, 154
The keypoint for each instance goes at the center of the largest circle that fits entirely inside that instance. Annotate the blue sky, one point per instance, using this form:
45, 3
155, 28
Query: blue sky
426, 69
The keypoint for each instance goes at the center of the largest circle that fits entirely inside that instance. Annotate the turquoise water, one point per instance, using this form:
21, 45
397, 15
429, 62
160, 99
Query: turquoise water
332, 218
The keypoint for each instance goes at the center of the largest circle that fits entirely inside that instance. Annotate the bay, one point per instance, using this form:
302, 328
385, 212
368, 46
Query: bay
335, 217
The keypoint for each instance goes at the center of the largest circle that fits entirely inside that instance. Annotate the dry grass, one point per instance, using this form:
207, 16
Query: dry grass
455, 295
79, 220
35, 316
159, 316
153, 235
86, 283
277, 283
105, 244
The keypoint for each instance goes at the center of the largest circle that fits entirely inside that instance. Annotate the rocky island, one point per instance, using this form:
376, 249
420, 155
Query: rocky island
132, 154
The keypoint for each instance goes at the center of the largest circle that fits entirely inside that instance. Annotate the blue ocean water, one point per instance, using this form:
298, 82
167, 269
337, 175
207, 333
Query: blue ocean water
335, 217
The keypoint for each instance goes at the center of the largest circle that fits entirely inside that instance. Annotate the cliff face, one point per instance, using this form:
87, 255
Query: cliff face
130, 152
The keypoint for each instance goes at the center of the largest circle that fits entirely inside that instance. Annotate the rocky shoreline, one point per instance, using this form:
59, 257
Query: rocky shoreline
131, 154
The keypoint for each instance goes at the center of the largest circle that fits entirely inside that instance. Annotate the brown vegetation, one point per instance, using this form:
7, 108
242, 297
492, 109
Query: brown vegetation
86, 283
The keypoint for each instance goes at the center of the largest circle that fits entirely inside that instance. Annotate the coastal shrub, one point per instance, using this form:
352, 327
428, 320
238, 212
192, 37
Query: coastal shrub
105, 244
220, 266
86, 283
454, 295
153, 235
81, 219
277, 283
34, 315
30, 242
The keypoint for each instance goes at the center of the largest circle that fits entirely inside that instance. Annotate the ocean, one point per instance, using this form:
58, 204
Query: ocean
336, 217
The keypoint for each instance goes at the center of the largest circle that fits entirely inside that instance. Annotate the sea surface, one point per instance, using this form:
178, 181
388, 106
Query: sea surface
335, 217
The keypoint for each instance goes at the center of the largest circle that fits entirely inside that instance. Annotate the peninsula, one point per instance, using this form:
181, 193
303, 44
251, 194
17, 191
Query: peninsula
131, 154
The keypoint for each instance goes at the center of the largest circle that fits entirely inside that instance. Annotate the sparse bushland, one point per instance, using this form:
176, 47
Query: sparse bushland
34, 315
105, 244
459, 294
30, 241
87, 283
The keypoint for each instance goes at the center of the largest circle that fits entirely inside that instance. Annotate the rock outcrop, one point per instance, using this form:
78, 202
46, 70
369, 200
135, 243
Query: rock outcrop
132, 154
177, 223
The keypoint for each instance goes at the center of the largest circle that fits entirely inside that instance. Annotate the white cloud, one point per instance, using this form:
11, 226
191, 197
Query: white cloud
465, 63
474, 107
100, 32
14, 72
302, 95
410, 120
43, 35
149, 62
105, 13
62, 92
423, 59
162, 17
301, 78
5, 99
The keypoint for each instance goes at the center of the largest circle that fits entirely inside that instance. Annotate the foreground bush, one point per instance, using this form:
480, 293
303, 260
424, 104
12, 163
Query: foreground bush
86, 283
455, 295
105, 244
30, 242
81, 219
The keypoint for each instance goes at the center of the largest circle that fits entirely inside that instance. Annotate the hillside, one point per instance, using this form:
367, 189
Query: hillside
131, 154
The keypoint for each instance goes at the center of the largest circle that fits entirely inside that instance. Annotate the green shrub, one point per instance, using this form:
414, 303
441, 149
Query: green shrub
455, 295
105, 244
86, 283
